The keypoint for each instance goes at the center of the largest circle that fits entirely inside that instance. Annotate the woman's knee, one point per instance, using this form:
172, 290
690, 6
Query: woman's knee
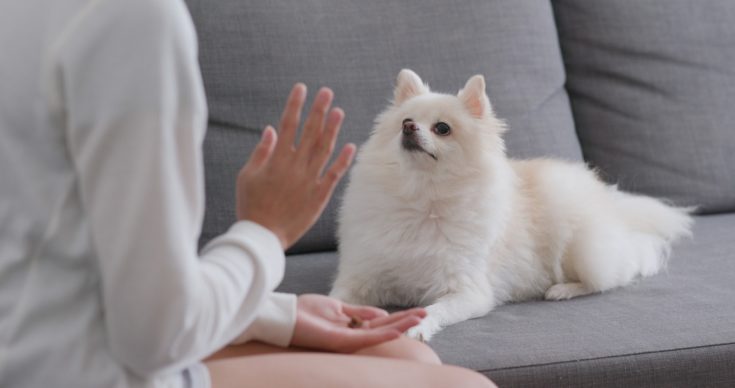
467, 378
403, 348
302, 370
419, 351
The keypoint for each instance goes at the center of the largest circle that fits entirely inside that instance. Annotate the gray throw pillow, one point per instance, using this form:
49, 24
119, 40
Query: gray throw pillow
652, 85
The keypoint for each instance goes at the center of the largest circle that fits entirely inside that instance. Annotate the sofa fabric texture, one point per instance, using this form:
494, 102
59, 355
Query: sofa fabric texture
251, 55
651, 327
642, 89
652, 85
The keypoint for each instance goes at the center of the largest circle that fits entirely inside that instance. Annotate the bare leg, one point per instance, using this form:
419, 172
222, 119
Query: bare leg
320, 370
258, 364
402, 348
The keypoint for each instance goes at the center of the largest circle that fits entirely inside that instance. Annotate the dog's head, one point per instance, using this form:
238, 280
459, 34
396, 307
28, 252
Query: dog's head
440, 132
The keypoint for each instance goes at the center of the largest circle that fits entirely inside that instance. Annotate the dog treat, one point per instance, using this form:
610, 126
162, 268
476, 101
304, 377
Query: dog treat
355, 323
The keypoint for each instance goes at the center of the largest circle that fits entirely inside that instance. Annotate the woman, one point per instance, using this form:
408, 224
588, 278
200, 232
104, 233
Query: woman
102, 114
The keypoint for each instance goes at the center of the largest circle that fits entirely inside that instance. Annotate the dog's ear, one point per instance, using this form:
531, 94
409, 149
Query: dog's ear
474, 98
408, 84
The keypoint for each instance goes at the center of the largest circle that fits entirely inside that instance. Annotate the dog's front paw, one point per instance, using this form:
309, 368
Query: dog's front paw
423, 331
565, 291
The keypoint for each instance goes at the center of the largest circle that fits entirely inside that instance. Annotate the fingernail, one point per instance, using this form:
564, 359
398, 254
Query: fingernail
335, 116
300, 88
268, 130
351, 148
326, 93
338, 112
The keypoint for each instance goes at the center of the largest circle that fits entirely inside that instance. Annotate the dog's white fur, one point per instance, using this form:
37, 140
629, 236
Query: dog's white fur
470, 229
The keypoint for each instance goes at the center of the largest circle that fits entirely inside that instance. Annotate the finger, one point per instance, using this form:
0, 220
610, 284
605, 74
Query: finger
363, 312
325, 146
355, 339
403, 324
263, 150
363, 340
336, 171
315, 122
291, 116
418, 312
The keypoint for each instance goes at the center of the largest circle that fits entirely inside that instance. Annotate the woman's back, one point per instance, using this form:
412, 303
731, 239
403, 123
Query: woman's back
52, 323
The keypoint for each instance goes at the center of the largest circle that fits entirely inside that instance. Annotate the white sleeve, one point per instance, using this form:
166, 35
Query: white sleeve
135, 116
275, 322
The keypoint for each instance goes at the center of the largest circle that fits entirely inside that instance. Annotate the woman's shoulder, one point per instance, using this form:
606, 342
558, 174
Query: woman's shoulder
153, 17
144, 24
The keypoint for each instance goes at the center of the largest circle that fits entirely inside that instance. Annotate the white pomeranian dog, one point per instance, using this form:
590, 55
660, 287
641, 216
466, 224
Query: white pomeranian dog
436, 215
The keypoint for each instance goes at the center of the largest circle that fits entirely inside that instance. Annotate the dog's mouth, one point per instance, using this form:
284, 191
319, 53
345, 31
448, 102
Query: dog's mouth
411, 144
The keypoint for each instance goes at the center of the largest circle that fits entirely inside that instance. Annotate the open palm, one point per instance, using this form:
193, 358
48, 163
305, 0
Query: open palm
323, 323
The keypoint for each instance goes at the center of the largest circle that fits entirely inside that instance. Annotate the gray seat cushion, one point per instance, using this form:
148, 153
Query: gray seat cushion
252, 52
673, 329
652, 85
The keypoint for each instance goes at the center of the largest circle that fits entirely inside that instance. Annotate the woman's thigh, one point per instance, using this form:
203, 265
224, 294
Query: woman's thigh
304, 370
401, 348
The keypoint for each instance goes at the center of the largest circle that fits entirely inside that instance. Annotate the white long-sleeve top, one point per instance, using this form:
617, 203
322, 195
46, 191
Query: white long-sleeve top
102, 117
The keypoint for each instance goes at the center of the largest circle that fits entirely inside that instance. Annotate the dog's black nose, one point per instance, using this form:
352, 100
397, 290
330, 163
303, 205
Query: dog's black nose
409, 127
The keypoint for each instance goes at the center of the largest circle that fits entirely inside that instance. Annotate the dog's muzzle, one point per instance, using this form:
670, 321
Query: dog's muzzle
410, 140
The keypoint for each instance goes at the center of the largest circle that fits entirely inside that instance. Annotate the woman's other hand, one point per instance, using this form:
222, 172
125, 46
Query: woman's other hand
284, 186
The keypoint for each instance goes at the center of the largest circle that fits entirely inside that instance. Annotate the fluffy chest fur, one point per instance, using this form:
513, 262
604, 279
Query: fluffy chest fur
409, 239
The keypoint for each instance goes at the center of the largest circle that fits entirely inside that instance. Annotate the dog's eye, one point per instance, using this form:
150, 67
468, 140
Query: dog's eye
442, 129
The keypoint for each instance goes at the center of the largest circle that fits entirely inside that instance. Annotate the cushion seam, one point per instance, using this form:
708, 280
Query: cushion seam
604, 357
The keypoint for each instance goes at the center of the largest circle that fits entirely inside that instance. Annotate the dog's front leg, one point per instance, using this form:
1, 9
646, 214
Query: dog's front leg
452, 308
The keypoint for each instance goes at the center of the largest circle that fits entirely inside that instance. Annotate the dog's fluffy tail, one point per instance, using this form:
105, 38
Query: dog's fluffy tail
655, 225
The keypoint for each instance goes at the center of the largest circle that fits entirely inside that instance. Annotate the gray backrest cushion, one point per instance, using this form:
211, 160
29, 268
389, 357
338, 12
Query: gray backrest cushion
652, 85
251, 54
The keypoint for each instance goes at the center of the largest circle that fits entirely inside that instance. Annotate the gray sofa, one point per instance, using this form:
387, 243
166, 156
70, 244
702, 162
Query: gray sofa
644, 90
